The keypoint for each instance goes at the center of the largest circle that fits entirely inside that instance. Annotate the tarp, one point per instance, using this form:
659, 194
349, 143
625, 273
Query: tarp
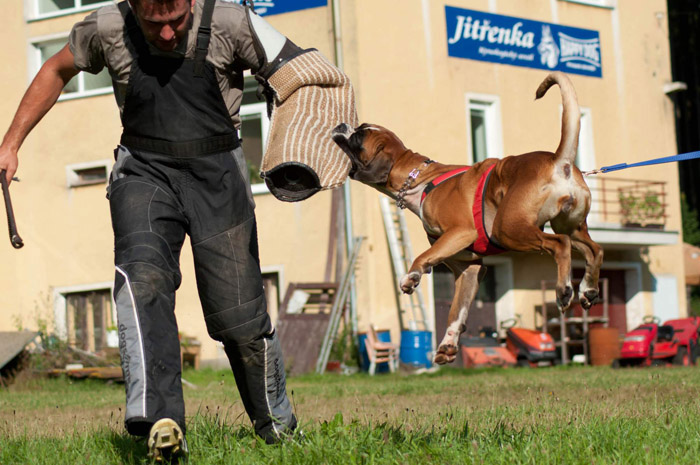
12, 343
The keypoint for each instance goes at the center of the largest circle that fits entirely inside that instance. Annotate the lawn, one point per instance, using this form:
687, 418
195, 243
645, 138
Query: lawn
558, 415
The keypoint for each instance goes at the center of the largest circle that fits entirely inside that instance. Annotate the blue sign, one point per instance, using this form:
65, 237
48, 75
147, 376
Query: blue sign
521, 42
275, 7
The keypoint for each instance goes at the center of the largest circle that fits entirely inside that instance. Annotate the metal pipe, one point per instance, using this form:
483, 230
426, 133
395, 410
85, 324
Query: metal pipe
347, 200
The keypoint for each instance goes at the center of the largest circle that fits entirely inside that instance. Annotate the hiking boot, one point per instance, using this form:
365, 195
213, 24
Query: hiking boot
166, 441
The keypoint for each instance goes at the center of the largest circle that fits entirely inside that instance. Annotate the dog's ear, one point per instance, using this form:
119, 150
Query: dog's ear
376, 171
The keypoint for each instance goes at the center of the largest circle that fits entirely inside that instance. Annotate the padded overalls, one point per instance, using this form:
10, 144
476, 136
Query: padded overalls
180, 171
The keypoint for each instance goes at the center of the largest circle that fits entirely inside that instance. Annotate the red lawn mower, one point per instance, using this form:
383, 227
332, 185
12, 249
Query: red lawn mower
651, 344
530, 347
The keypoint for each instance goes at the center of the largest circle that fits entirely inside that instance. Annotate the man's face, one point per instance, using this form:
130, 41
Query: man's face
164, 23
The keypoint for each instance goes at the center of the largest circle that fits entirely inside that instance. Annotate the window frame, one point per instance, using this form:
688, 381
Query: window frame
586, 160
274, 307
73, 178
491, 104
586, 141
257, 108
33, 14
35, 63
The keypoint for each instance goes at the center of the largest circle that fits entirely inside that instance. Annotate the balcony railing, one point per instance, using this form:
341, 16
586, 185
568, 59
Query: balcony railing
632, 203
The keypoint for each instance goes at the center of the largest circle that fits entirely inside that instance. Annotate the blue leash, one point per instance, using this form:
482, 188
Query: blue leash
656, 161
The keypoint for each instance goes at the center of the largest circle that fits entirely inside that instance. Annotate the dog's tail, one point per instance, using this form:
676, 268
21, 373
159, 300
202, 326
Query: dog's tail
571, 116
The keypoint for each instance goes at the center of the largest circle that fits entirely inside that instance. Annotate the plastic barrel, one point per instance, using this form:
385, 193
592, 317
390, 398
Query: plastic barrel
604, 345
383, 335
416, 348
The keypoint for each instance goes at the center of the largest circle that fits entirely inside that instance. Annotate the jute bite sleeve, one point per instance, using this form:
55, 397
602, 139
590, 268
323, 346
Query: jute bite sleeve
311, 97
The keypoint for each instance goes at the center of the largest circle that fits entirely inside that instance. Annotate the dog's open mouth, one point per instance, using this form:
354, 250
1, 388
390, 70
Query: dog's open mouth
351, 142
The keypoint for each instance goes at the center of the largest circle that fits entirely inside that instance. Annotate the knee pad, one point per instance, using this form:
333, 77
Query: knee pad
240, 325
146, 259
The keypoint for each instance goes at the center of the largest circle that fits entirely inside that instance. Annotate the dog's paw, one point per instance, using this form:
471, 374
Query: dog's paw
441, 359
410, 282
564, 297
446, 353
588, 298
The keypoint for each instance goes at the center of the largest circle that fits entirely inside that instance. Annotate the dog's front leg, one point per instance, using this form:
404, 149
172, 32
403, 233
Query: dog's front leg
467, 281
447, 245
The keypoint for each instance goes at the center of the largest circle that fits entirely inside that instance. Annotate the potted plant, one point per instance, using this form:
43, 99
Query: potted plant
653, 211
630, 212
641, 209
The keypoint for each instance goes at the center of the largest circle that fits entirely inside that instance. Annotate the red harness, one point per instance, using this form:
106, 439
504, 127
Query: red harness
483, 245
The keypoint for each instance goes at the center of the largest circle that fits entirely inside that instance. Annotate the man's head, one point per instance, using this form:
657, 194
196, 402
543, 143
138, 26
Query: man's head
164, 22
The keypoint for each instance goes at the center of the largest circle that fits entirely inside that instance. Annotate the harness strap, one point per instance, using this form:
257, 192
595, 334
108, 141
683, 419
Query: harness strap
443, 177
483, 245
203, 36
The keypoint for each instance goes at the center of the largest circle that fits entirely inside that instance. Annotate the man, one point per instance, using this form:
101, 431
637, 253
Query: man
177, 71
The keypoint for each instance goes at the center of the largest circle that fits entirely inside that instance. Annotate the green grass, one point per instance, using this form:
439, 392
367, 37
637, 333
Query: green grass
561, 415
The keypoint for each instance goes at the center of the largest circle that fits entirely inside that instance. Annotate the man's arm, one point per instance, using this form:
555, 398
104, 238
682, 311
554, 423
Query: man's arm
37, 101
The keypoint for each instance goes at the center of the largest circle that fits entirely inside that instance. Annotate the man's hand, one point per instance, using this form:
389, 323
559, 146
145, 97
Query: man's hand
8, 162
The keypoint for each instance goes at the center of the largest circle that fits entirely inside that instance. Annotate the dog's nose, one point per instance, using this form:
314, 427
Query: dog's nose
342, 129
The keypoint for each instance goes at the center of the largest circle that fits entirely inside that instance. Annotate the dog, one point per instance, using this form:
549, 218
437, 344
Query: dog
493, 206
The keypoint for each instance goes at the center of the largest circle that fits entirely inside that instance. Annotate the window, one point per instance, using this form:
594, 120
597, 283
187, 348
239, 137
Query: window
85, 174
254, 127
484, 127
85, 316
48, 8
88, 317
82, 85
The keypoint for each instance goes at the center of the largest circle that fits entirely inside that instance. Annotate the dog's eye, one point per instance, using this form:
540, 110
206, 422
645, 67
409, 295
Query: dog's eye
380, 147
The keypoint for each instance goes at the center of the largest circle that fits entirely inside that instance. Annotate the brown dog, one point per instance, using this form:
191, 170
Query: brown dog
493, 206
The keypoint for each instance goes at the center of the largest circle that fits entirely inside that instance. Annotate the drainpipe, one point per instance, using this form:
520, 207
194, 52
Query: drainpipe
347, 202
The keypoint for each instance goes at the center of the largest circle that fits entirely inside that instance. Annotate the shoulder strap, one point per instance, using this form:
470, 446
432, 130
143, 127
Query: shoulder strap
203, 36
443, 177
132, 28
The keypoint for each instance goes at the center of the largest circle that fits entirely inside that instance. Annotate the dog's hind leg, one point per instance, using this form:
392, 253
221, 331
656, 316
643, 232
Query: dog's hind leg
531, 239
593, 253
467, 279
450, 243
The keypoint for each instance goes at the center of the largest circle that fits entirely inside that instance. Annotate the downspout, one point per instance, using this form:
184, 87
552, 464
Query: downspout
347, 202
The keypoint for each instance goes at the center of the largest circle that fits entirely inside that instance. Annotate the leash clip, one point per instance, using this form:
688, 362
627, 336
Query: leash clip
592, 172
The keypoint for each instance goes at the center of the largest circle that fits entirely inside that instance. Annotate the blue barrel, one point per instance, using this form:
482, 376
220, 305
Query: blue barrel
383, 335
416, 348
